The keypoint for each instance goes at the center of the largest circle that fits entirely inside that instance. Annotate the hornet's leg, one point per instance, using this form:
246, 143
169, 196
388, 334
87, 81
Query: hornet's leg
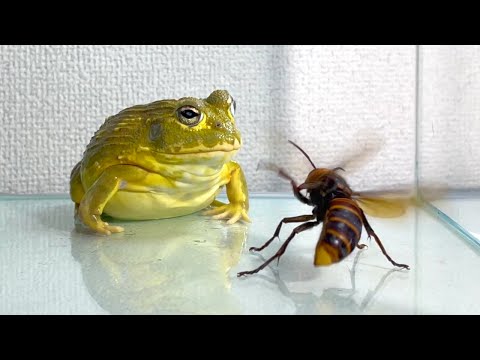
283, 174
277, 232
295, 189
282, 249
370, 233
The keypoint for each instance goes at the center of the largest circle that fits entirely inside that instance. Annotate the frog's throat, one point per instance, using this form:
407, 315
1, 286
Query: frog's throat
160, 162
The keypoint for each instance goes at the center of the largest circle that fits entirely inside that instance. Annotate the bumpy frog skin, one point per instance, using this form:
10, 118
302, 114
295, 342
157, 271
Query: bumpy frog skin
164, 159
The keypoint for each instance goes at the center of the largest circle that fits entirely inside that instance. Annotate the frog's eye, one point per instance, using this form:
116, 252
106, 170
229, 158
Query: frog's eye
233, 107
190, 116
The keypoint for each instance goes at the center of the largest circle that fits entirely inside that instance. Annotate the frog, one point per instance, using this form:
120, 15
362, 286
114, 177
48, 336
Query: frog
160, 160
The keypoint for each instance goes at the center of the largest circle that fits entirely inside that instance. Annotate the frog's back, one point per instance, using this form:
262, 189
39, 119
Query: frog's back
120, 134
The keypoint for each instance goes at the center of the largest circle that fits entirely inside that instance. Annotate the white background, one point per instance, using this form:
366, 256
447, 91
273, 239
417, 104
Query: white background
449, 147
53, 98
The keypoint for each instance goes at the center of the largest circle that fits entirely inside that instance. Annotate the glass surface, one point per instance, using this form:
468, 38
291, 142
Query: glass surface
189, 265
448, 129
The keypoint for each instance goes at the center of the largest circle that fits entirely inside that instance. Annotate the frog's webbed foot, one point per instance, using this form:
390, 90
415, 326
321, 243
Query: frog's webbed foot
233, 211
94, 222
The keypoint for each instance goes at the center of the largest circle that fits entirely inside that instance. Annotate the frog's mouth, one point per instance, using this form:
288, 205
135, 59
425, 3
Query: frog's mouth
222, 148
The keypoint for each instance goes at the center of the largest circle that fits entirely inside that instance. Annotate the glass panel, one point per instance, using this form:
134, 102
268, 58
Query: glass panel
449, 133
177, 266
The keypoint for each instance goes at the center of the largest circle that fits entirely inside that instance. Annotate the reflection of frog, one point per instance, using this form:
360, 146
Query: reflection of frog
177, 266
160, 160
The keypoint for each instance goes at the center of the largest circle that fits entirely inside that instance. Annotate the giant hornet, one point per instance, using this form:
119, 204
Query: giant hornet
340, 209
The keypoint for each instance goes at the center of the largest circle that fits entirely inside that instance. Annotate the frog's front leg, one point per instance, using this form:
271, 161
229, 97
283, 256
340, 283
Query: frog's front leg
93, 202
237, 194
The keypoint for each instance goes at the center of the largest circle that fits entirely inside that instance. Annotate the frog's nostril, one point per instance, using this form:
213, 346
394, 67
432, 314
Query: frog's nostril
218, 124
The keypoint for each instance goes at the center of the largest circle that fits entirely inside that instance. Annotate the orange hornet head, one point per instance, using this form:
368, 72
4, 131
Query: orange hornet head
314, 178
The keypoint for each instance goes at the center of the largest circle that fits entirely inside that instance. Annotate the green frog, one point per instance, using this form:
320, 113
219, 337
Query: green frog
164, 159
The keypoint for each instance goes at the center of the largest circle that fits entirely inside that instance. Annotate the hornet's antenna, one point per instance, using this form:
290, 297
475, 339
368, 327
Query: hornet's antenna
303, 152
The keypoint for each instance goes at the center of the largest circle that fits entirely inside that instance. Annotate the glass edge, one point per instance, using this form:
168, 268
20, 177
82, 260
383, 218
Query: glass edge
452, 224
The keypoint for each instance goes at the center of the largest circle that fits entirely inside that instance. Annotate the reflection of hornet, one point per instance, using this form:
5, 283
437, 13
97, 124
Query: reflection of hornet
336, 300
340, 209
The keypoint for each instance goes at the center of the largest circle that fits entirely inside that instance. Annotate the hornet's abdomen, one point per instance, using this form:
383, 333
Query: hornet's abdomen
342, 228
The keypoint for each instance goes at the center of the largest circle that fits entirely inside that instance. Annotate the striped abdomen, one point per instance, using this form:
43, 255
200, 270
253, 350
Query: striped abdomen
342, 228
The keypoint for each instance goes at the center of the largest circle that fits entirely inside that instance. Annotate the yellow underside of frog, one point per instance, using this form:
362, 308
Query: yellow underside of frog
164, 159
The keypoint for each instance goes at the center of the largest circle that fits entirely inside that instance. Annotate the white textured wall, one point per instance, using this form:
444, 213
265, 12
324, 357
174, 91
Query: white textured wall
54, 97
449, 147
